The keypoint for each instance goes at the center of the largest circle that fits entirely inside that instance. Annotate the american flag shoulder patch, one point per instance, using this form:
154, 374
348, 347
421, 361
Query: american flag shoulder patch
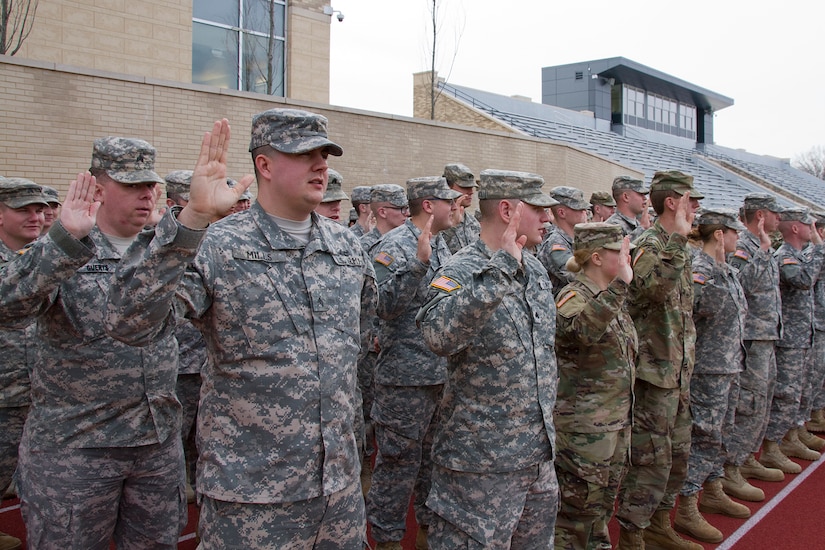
566, 298
639, 255
699, 278
558, 248
789, 261
741, 254
445, 283
384, 259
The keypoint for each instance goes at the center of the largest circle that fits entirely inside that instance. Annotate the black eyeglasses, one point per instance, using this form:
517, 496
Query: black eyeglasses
403, 209
451, 201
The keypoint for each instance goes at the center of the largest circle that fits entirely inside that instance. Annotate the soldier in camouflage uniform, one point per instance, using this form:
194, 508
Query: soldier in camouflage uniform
50, 213
798, 272
660, 303
630, 195
596, 347
408, 376
104, 424
602, 205
361, 203
279, 294
465, 228
490, 312
330, 206
758, 273
719, 310
557, 247
22, 208
817, 423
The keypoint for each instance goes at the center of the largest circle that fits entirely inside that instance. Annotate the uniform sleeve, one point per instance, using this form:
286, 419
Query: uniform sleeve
461, 301
656, 272
800, 272
554, 258
398, 277
148, 280
709, 291
586, 320
369, 305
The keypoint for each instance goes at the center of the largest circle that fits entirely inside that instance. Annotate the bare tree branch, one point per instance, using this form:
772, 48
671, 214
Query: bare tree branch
812, 162
16, 21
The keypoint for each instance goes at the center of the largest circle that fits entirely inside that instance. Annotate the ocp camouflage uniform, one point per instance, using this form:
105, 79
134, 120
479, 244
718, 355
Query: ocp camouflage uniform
630, 226
596, 346
798, 271
719, 311
758, 274
102, 411
553, 253
493, 480
279, 400
17, 348
463, 233
407, 387
660, 303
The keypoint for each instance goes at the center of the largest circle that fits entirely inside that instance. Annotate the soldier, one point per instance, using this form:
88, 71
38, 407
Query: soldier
490, 312
596, 347
758, 273
408, 376
817, 423
602, 205
277, 292
465, 228
390, 208
660, 303
52, 212
630, 195
557, 247
22, 208
361, 204
798, 272
191, 349
719, 309
330, 206
104, 423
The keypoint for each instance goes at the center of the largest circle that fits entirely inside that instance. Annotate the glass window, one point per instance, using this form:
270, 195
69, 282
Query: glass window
256, 76
214, 56
259, 15
219, 11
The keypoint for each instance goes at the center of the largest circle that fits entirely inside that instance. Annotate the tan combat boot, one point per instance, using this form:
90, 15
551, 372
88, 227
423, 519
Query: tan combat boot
689, 521
792, 446
810, 440
737, 486
661, 536
817, 422
753, 469
772, 457
631, 540
715, 501
8, 542
421, 538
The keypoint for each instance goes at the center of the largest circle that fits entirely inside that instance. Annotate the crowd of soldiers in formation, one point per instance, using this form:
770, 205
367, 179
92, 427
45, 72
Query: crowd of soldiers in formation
517, 373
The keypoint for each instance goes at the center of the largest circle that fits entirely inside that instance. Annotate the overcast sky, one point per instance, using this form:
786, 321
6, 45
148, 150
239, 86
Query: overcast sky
768, 58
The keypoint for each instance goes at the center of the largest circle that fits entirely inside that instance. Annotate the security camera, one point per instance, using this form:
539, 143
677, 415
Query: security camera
340, 16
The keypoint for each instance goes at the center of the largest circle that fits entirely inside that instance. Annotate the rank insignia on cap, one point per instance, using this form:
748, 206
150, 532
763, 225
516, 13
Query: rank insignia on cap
699, 278
384, 259
558, 248
566, 298
445, 283
741, 254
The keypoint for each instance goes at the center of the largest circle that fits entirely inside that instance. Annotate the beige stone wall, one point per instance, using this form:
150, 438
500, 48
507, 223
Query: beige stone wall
307, 39
448, 108
50, 118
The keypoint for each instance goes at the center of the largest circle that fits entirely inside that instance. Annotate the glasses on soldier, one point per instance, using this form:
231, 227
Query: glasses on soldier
403, 209
451, 201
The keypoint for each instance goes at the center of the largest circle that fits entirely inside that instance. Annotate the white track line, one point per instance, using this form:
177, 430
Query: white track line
9, 509
766, 509
184, 538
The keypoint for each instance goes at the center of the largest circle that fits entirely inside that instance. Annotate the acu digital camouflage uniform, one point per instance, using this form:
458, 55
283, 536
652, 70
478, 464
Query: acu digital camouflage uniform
719, 312
102, 411
818, 388
281, 320
596, 346
493, 479
553, 253
660, 303
409, 377
798, 272
466, 231
630, 226
758, 274
360, 195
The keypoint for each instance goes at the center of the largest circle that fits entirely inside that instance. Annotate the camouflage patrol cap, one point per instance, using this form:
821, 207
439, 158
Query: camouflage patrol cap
761, 201
361, 194
796, 214
245, 196
570, 197
20, 192
125, 160
291, 131
674, 180
598, 235
602, 197
51, 195
819, 217
631, 183
719, 216
504, 184
334, 191
460, 175
178, 183
389, 192
430, 187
